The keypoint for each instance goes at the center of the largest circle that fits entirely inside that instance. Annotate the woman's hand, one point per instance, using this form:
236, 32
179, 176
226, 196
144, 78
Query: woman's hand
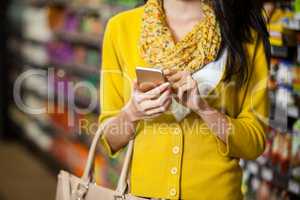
150, 104
186, 89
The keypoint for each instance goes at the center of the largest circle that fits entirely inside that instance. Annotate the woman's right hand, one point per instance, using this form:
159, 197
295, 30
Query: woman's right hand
150, 104
142, 105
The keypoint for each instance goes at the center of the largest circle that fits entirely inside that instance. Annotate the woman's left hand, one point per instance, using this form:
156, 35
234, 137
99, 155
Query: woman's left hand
186, 88
188, 94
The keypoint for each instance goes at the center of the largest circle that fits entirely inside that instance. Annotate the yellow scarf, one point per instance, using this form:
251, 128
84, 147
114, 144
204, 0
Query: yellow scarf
198, 48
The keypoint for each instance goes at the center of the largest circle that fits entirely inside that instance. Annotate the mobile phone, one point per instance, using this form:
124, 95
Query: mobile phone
149, 78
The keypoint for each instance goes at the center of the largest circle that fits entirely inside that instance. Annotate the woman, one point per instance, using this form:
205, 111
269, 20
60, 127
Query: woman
195, 156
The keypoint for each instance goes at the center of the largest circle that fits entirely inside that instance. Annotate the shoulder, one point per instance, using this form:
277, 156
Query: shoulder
256, 49
258, 60
126, 19
251, 46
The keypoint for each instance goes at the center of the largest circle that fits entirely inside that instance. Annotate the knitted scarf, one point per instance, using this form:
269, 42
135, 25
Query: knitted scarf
198, 48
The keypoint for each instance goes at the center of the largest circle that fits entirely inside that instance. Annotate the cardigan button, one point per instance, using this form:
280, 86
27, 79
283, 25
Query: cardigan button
173, 192
175, 150
174, 170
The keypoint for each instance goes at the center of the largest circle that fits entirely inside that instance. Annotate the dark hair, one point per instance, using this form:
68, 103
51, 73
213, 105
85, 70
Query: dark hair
238, 19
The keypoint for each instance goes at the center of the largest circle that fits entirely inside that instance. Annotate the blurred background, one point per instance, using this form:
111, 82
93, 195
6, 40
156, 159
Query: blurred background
50, 71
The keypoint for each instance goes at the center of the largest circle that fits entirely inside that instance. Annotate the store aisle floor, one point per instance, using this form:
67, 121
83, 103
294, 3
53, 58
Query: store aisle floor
22, 176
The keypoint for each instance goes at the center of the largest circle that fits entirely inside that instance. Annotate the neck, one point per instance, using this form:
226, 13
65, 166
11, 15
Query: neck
184, 9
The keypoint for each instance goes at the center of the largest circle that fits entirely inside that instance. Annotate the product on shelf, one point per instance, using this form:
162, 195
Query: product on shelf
277, 22
35, 54
296, 144
296, 80
36, 24
56, 19
76, 57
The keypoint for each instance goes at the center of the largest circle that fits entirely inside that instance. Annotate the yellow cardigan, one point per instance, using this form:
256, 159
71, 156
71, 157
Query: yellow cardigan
184, 160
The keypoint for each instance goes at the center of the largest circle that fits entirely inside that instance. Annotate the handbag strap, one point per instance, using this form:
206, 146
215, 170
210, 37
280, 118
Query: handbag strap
122, 183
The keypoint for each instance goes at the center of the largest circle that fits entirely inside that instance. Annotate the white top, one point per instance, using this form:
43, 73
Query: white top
207, 78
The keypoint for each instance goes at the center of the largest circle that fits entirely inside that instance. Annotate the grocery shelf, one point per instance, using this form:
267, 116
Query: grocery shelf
271, 174
45, 156
80, 38
45, 152
42, 3
95, 8
83, 69
81, 101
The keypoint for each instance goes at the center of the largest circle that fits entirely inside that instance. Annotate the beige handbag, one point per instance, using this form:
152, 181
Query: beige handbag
70, 187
